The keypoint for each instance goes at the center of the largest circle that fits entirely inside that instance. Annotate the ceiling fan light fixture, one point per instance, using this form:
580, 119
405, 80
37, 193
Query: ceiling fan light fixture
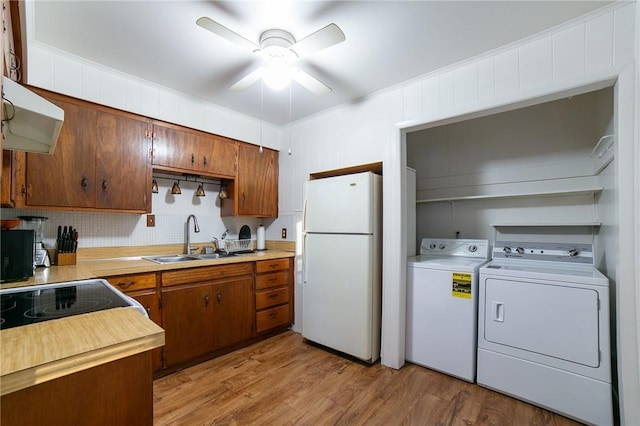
277, 75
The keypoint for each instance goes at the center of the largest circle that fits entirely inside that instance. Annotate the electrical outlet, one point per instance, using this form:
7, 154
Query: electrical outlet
284, 233
151, 220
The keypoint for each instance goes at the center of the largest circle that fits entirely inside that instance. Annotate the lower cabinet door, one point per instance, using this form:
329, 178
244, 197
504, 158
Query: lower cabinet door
150, 301
233, 312
187, 315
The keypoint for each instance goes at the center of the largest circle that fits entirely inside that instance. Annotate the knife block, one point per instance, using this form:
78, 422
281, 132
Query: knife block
63, 259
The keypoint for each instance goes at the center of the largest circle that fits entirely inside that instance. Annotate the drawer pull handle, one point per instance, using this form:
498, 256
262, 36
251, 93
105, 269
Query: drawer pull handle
273, 314
273, 296
273, 280
126, 284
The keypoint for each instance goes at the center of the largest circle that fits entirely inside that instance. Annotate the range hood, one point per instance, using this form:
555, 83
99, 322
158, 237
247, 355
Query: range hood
30, 122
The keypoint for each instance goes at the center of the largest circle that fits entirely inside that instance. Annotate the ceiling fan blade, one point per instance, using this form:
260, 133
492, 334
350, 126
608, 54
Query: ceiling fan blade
309, 83
248, 79
321, 39
224, 32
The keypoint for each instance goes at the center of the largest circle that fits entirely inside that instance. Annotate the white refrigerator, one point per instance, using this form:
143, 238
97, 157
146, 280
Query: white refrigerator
342, 260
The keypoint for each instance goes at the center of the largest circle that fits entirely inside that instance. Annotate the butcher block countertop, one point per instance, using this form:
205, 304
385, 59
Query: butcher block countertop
39, 352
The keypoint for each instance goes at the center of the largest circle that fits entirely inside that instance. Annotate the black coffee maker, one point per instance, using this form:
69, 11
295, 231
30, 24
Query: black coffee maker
17, 255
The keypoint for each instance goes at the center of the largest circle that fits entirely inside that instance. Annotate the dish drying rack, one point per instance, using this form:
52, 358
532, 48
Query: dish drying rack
238, 246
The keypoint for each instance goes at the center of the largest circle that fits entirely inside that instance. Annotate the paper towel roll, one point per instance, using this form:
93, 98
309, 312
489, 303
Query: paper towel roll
261, 237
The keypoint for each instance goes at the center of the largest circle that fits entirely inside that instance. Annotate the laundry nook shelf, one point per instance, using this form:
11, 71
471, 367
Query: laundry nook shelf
583, 191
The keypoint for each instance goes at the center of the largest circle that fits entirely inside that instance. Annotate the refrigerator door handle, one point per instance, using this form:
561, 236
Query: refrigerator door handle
304, 215
304, 258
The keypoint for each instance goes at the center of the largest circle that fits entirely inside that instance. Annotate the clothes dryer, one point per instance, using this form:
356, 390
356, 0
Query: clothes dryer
442, 298
543, 329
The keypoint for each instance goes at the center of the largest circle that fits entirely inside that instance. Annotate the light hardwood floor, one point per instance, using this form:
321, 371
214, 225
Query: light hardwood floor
285, 381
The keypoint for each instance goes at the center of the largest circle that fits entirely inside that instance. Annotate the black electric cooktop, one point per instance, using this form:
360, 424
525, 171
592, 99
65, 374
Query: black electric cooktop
28, 305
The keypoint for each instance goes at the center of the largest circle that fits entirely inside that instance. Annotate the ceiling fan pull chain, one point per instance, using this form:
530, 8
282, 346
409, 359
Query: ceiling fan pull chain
289, 151
261, 111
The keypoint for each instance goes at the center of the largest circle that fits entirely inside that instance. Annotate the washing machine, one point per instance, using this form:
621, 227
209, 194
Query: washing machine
442, 305
543, 329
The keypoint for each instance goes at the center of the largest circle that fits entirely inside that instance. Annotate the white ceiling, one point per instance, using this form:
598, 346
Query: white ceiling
387, 42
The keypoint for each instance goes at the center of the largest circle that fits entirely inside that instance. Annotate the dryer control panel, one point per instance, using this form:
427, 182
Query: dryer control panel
554, 252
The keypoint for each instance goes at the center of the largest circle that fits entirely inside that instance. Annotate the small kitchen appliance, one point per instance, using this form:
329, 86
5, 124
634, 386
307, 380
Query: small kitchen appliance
17, 255
41, 255
442, 305
543, 329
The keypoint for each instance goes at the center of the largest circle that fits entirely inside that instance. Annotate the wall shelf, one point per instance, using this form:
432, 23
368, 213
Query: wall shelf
583, 191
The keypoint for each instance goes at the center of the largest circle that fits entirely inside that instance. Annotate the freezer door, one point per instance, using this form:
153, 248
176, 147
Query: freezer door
343, 204
341, 294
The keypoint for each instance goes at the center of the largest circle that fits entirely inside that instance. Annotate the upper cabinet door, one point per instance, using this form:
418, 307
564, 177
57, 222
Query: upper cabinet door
66, 178
174, 148
123, 172
217, 156
257, 181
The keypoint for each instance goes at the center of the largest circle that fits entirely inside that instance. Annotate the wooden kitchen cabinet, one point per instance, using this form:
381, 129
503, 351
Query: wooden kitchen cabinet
188, 323
274, 294
101, 162
177, 149
142, 287
255, 190
205, 310
233, 313
10, 168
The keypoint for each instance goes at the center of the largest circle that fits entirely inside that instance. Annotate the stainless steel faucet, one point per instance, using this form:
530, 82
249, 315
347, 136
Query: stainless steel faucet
196, 228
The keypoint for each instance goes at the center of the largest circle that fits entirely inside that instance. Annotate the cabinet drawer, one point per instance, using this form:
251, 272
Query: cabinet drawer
271, 265
264, 299
133, 282
207, 273
271, 318
272, 280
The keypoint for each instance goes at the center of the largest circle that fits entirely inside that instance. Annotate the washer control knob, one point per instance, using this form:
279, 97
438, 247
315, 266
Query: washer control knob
507, 249
473, 248
520, 250
441, 246
574, 252
432, 246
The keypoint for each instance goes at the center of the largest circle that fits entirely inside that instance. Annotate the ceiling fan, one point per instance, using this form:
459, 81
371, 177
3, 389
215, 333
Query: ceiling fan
280, 51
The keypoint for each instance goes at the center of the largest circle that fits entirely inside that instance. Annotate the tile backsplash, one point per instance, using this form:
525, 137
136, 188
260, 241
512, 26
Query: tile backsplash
128, 229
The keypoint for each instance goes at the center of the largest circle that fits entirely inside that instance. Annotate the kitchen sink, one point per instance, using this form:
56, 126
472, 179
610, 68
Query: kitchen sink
174, 258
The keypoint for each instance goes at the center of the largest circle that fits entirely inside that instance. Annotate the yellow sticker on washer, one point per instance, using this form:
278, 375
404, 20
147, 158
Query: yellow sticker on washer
461, 285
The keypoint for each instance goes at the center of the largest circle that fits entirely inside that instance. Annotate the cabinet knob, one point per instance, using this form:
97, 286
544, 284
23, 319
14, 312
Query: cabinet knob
105, 184
193, 158
206, 300
84, 182
219, 297
205, 160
